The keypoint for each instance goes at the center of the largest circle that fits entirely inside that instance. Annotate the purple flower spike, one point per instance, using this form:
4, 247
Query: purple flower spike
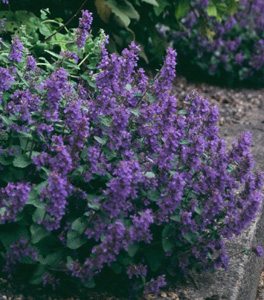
84, 26
16, 50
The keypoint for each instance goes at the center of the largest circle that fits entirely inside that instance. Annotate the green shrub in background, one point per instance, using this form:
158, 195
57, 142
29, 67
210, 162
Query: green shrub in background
232, 55
127, 20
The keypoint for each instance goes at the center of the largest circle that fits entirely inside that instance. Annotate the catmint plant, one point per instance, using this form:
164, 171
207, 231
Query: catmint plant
231, 50
104, 171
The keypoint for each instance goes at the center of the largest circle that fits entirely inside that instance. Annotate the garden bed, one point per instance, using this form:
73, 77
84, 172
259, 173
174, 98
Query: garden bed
240, 110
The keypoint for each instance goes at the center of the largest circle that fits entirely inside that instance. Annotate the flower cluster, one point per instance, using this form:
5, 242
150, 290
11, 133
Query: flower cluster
12, 200
235, 47
115, 173
84, 27
19, 251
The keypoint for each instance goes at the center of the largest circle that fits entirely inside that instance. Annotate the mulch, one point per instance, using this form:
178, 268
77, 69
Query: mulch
235, 107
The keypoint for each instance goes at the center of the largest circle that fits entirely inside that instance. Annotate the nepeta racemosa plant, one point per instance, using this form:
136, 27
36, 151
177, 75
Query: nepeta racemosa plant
104, 171
233, 49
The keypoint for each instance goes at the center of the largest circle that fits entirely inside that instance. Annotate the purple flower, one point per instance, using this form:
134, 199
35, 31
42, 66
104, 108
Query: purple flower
12, 200
18, 251
49, 279
16, 50
258, 250
84, 27
55, 195
154, 285
31, 63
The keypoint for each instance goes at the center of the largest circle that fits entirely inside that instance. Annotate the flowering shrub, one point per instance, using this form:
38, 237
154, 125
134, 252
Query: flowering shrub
104, 172
232, 50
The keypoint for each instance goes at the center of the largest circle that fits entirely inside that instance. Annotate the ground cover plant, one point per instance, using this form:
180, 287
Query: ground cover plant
233, 49
106, 175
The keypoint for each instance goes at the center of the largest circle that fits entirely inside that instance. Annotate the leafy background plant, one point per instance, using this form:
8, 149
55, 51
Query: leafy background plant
104, 174
232, 55
127, 20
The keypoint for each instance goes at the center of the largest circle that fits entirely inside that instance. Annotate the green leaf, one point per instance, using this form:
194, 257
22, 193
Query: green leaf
132, 249
6, 120
175, 218
11, 233
153, 2
74, 241
182, 7
5, 161
154, 258
153, 195
184, 142
135, 112
151, 98
44, 13
124, 10
198, 210
25, 143
128, 87
2, 211
45, 29
232, 6
190, 237
211, 10
105, 120
90, 284
166, 238
150, 175
54, 54
17, 173
166, 244
167, 231
39, 213
37, 277
138, 95
21, 161
6, 176
182, 112
55, 259
117, 268
100, 140
79, 225
109, 153
159, 9
38, 232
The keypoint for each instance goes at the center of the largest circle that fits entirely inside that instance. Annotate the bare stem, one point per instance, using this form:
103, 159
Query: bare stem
63, 26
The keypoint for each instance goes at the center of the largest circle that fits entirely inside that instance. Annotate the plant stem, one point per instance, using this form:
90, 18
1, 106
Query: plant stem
31, 149
63, 26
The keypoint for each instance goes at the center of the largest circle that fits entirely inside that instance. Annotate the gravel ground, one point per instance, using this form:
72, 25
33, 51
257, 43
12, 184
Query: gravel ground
233, 104
235, 107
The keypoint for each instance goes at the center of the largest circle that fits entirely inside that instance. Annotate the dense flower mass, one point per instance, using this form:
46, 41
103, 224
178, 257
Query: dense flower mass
114, 171
234, 46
